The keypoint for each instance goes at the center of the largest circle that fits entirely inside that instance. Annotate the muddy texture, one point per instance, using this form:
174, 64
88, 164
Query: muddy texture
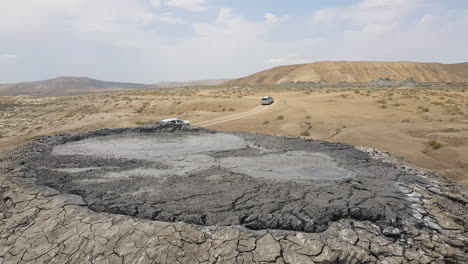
206, 178
349, 205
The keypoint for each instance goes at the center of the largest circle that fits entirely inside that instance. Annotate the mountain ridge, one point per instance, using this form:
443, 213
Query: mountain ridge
72, 85
358, 72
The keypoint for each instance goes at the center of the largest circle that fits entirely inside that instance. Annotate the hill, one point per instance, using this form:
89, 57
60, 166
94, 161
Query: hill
189, 83
67, 85
359, 72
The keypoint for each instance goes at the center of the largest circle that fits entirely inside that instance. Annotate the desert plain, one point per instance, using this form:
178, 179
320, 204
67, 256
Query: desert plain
426, 126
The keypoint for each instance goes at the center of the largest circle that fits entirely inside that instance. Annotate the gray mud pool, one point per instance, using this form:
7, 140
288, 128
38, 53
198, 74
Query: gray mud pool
206, 178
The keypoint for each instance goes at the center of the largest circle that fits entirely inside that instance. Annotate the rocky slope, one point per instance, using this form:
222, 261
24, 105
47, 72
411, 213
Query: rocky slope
359, 72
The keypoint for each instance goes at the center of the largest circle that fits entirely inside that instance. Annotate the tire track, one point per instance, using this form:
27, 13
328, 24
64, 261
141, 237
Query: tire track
254, 111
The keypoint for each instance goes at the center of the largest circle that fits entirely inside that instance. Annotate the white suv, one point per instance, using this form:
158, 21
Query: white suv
176, 121
267, 100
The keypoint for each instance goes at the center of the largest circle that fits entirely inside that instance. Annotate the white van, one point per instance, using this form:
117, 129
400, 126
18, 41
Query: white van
267, 100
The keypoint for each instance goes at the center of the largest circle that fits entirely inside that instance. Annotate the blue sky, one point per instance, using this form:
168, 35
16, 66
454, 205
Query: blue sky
163, 40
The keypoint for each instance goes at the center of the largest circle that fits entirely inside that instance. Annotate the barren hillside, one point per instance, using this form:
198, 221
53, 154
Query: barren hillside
65, 86
61, 86
359, 72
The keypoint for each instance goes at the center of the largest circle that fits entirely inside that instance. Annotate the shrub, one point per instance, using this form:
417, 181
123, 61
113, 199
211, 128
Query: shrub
451, 130
308, 117
423, 108
383, 101
405, 121
455, 110
280, 117
384, 107
266, 122
305, 133
434, 144
231, 109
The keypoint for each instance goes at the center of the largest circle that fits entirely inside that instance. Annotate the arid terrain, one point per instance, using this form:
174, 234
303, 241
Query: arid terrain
69, 85
425, 126
359, 72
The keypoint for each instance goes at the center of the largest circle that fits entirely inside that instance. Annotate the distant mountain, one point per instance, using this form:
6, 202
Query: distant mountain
65, 86
83, 85
359, 72
189, 83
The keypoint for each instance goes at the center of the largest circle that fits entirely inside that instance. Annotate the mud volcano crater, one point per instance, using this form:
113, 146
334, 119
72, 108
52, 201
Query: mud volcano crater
203, 177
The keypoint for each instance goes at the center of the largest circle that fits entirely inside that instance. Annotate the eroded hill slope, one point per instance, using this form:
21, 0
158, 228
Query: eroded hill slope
359, 72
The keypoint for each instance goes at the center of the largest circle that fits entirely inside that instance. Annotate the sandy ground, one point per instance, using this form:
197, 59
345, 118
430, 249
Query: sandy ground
427, 127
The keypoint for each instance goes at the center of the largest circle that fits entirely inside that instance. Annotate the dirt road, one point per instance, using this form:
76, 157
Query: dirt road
254, 111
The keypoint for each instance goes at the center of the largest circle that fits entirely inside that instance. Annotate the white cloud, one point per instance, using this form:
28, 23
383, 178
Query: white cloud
190, 5
169, 18
392, 30
429, 19
270, 18
290, 58
156, 3
231, 28
8, 57
368, 11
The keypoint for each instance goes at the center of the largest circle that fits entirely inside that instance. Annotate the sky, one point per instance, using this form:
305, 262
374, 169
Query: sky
147, 41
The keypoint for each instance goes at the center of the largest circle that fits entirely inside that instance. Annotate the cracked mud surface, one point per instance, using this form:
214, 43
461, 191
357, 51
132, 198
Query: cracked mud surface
242, 198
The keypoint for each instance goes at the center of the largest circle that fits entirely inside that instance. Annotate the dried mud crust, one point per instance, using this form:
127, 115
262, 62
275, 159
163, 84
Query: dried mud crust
410, 216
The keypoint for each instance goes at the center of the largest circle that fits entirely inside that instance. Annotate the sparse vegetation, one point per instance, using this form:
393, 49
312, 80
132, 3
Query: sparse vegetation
308, 117
455, 110
231, 109
280, 117
434, 144
405, 121
266, 122
451, 130
423, 108
142, 122
305, 133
